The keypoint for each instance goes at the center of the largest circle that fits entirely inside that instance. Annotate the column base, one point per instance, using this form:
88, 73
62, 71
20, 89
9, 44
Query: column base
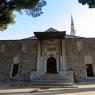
67, 75
35, 74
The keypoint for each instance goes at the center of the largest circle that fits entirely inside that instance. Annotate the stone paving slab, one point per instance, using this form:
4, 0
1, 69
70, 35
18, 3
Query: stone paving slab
85, 88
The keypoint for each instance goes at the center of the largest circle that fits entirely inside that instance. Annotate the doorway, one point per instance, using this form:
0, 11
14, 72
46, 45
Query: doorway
89, 70
51, 65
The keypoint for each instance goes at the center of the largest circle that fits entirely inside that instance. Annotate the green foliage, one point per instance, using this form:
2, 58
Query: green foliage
26, 4
6, 19
7, 7
90, 3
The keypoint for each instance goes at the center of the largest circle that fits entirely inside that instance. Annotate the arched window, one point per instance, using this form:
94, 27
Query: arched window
24, 48
15, 67
79, 47
16, 59
2, 49
88, 59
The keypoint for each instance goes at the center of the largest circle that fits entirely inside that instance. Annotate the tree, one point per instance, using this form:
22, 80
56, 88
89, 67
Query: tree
90, 3
7, 7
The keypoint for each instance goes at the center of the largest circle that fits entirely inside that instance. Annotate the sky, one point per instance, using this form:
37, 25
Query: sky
57, 14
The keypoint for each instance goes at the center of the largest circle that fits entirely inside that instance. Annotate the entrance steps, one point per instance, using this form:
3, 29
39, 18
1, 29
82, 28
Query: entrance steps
91, 79
50, 80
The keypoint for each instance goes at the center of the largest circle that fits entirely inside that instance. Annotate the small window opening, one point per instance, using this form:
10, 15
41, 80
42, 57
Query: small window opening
15, 70
89, 70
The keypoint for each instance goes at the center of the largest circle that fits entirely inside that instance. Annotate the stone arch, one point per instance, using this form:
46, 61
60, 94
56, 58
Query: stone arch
16, 59
79, 46
88, 59
15, 67
2, 48
24, 48
51, 65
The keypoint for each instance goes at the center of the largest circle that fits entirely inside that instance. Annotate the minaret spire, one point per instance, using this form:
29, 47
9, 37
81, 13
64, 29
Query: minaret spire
73, 32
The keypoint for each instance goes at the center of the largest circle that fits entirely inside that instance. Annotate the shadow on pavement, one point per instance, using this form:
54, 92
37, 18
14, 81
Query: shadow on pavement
60, 91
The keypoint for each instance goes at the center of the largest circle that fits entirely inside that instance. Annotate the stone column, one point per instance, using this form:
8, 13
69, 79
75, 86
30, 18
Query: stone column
63, 57
39, 63
60, 54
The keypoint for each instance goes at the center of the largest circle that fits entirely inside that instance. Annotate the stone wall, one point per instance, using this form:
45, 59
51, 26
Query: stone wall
27, 60
76, 50
24, 53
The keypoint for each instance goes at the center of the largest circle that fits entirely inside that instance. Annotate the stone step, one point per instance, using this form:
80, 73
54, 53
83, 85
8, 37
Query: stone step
50, 80
53, 84
91, 79
50, 77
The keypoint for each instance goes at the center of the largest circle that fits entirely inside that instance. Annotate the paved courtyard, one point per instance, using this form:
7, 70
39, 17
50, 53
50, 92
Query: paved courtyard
87, 88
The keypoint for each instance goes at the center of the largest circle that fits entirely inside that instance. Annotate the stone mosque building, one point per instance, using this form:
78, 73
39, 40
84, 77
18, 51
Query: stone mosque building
48, 56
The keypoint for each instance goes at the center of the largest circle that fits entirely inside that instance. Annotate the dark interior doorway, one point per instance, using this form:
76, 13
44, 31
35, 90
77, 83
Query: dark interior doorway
89, 70
15, 70
51, 65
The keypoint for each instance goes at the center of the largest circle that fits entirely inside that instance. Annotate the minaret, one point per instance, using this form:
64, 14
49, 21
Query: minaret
73, 32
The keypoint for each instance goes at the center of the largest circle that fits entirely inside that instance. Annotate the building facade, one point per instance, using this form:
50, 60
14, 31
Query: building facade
50, 52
